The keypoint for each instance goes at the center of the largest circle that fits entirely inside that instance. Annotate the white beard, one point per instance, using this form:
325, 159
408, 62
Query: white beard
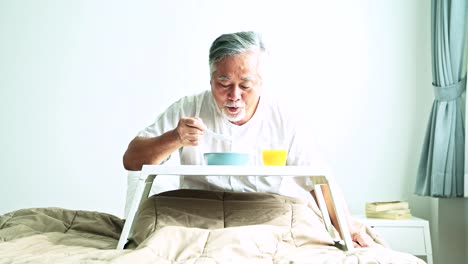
234, 118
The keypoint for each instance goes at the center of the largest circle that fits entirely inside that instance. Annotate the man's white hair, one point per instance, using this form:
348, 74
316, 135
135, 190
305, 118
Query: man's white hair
233, 44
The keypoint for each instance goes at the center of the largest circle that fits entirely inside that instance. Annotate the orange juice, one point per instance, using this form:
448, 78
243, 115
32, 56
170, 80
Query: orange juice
274, 157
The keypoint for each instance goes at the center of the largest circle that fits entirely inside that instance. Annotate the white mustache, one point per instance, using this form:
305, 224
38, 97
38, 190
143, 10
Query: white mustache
234, 104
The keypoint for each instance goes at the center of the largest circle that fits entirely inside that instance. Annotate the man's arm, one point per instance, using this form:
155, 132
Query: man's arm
154, 150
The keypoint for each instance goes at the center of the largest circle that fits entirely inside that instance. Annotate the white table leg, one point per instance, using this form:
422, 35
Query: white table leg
145, 182
323, 208
339, 211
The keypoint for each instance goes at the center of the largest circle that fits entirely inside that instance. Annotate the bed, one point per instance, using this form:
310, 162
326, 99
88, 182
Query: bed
186, 226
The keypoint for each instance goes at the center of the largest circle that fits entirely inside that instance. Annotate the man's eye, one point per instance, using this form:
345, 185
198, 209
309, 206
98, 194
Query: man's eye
225, 85
244, 87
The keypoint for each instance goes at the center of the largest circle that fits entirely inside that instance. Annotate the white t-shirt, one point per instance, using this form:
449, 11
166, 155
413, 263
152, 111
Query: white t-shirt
269, 128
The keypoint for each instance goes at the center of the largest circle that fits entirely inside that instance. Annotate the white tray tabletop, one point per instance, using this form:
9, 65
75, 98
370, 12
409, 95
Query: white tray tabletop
197, 170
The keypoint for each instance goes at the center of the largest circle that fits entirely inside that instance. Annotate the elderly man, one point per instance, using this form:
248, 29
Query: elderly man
237, 107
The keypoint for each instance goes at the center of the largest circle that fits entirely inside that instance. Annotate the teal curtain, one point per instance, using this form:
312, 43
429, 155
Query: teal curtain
441, 168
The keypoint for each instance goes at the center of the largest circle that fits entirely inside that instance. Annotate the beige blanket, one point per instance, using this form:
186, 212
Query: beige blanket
185, 227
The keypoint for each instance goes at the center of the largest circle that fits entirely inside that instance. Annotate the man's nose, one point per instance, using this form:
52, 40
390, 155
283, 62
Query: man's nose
235, 93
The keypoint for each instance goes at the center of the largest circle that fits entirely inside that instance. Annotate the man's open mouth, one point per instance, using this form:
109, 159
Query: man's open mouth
233, 109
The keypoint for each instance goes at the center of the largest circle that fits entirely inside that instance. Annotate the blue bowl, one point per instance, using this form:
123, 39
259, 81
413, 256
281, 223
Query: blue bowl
227, 158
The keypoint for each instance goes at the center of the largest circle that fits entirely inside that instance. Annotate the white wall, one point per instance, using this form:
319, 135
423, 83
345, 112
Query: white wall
78, 79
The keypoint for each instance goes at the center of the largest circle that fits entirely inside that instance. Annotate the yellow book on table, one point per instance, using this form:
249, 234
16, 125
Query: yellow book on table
385, 206
390, 214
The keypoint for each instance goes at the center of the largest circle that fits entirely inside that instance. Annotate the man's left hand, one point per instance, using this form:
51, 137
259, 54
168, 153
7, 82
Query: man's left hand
362, 239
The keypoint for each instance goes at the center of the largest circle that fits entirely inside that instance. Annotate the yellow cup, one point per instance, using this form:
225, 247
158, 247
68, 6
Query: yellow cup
274, 157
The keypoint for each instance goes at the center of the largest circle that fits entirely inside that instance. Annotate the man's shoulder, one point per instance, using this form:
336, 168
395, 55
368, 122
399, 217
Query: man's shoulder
187, 105
196, 96
193, 99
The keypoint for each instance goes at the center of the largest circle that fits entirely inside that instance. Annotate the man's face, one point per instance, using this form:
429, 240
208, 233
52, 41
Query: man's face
236, 86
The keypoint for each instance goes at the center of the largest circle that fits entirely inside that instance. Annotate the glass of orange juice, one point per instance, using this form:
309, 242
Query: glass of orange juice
274, 157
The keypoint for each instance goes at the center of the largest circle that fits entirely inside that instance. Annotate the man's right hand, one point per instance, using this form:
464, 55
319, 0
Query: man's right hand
154, 150
190, 130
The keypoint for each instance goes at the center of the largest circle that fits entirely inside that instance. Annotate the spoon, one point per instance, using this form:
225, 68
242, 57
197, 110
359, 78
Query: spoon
218, 136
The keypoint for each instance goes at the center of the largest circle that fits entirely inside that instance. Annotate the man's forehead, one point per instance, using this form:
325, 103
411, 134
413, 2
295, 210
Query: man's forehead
245, 79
